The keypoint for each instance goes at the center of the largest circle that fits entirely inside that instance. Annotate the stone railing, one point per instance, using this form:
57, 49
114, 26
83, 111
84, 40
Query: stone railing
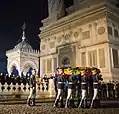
43, 90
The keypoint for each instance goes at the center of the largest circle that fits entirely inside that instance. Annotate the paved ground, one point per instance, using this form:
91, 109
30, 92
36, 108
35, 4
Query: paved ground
46, 108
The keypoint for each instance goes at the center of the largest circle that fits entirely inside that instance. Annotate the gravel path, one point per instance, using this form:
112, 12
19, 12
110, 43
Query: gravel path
46, 108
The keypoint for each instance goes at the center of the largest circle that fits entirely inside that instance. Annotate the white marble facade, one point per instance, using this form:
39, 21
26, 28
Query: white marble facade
87, 37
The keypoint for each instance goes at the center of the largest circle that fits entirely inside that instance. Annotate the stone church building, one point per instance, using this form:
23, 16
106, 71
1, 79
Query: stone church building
84, 33
22, 58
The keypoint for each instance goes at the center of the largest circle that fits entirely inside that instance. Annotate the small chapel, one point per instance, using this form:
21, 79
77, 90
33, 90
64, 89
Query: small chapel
22, 57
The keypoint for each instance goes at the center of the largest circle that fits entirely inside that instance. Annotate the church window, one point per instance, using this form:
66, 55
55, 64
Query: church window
116, 33
115, 58
92, 58
86, 34
49, 66
83, 59
101, 58
66, 62
110, 30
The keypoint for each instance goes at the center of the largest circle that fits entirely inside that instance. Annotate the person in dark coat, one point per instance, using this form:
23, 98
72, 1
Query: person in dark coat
32, 83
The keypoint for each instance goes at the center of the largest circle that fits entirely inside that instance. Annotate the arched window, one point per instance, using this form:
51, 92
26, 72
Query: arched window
66, 62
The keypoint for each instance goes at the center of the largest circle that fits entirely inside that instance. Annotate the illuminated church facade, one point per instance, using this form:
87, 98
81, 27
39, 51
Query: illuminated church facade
84, 34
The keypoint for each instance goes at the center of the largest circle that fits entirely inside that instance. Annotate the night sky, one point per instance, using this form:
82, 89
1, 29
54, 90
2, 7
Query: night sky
13, 13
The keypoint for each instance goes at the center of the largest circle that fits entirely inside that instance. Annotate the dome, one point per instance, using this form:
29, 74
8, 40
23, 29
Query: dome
23, 45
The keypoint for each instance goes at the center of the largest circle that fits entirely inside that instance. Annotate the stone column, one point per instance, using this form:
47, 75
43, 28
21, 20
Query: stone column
41, 68
53, 66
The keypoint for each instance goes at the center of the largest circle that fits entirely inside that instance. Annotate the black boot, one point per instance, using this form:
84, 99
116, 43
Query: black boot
33, 102
96, 103
85, 103
72, 103
56, 103
28, 101
61, 103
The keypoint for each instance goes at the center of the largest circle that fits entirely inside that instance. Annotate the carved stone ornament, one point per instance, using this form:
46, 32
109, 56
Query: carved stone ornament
67, 37
76, 34
48, 39
59, 39
78, 44
43, 47
101, 30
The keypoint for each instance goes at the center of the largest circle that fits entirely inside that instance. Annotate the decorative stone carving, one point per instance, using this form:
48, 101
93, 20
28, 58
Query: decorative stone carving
59, 39
86, 34
54, 37
90, 26
67, 37
43, 47
101, 30
95, 24
78, 44
80, 29
76, 34
48, 39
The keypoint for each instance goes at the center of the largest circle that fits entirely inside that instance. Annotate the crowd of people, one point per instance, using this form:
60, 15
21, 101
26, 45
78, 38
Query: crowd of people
5, 78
